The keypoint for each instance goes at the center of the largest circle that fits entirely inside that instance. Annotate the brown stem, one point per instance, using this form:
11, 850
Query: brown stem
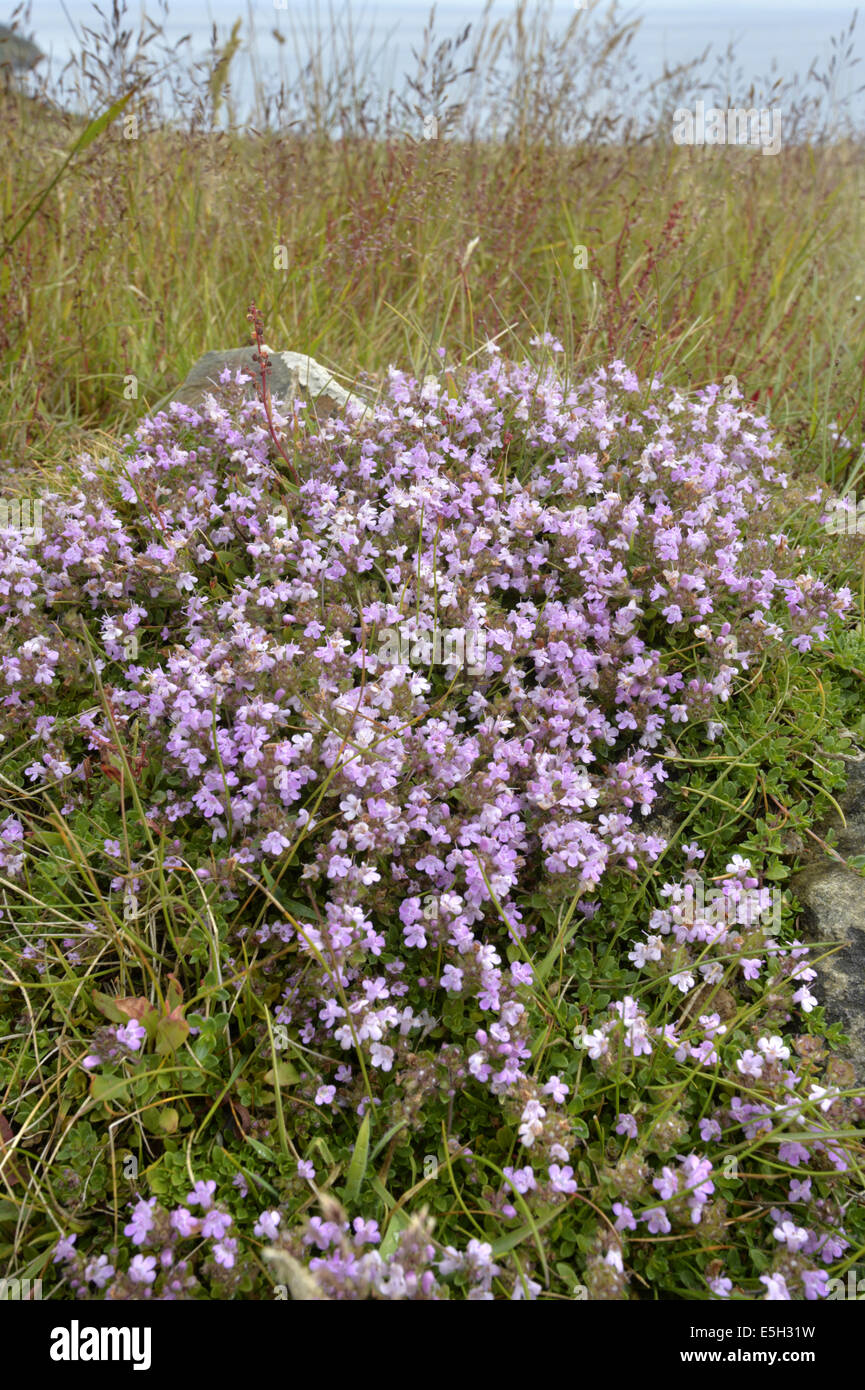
264, 364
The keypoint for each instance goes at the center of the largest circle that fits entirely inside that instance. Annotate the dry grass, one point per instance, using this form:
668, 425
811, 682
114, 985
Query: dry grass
148, 249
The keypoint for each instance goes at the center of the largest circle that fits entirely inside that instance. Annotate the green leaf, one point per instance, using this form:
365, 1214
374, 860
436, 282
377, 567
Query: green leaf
150, 1021
511, 1241
776, 872
261, 1149
386, 1138
106, 1088
174, 997
396, 1226
106, 1005
297, 909
171, 1033
162, 1120
554, 955
359, 1159
381, 1191
319, 1145
283, 1073
505, 1137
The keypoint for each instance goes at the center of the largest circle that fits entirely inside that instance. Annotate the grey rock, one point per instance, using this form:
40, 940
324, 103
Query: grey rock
292, 375
834, 901
665, 818
833, 898
851, 837
16, 52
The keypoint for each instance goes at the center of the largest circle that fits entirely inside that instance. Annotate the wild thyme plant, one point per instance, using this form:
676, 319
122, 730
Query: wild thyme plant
329, 891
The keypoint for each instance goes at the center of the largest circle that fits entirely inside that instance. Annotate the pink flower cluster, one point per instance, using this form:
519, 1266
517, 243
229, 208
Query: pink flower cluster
593, 533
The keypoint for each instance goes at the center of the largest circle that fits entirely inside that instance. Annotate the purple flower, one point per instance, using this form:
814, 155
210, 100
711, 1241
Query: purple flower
521, 1179
224, 1253
776, 1287
562, 1178
275, 843
141, 1224
452, 979
656, 1220
215, 1224
266, 1227
624, 1217
99, 1271
794, 1237
815, 1283
794, 1153
667, 1184
202, 1194
557, 1089
184, 1222
750, 1064
131, 1034
365, 1232
142, 1269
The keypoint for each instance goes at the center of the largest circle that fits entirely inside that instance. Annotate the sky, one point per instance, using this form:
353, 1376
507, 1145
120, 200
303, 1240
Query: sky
764, 31
47, 10
738, 6
49, 13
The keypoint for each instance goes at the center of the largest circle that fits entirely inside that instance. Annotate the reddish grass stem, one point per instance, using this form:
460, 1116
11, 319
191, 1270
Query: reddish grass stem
263, 360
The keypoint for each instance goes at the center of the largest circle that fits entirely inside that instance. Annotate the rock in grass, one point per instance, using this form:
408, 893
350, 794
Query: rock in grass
833, 897
16, 52
292, 375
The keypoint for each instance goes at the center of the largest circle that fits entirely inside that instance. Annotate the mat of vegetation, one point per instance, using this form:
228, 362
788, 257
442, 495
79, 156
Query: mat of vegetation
335, 966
